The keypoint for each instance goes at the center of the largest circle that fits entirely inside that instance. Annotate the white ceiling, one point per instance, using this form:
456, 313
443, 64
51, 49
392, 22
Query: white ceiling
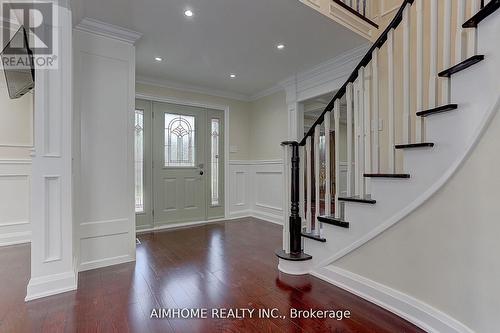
223, 37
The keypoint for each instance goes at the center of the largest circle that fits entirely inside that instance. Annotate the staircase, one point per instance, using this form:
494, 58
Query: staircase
411, 119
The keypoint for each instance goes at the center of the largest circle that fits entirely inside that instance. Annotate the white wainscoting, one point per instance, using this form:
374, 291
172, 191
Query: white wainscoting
15, 187
256, 189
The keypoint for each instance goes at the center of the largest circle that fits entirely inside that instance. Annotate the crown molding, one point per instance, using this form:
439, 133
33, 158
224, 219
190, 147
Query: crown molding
108, 30
264, 93
192, 88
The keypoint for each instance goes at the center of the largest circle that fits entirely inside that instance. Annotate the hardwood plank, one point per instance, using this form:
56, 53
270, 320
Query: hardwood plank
227, 264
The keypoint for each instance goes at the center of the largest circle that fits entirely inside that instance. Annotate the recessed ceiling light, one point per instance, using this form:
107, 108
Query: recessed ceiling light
280, 46
158, 59
188, 13
232, 76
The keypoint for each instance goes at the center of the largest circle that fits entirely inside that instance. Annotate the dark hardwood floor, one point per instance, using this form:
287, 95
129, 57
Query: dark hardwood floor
219, 265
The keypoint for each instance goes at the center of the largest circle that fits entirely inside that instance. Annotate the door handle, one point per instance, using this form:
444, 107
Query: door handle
201, 172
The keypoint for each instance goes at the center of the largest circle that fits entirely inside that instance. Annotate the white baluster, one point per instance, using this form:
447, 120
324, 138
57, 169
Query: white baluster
317, 183
390, 60
361, 131
472, 36
336, 116
286, 198
328, 180
445, 82
376, 117
406, 76
308, 185
349, 98
367, 130
419, 137
433, 56
357, 167
460, 31
302, 175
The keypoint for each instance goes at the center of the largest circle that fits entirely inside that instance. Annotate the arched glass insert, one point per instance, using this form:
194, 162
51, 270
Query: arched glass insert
179, 140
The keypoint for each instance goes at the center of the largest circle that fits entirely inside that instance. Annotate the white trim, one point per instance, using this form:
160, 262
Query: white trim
108, 30
16, 145
411, 309
255, 162
267, 92
15, 238
49, 285
15, 161
192, 88
99, 263
225, 108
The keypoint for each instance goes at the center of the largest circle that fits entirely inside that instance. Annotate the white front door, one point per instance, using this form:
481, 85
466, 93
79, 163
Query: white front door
179, 165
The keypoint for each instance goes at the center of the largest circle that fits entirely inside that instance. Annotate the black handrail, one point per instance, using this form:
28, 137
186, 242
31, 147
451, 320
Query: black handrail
356, 11
365, 61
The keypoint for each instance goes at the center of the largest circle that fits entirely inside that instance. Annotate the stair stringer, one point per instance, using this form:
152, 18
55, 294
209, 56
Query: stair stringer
477, 92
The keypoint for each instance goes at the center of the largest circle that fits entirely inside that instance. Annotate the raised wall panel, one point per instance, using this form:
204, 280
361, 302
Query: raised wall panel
15, 189
268, 189
53, 222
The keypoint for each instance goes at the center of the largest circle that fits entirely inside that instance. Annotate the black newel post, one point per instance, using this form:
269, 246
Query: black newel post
296, 253
295, 220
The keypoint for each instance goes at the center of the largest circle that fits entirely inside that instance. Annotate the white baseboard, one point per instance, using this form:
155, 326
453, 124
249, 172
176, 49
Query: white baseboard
44, 286
86, 266
15, 238
273, 218
415, 311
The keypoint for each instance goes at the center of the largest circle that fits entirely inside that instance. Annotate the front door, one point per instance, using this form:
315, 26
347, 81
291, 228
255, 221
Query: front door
179, 164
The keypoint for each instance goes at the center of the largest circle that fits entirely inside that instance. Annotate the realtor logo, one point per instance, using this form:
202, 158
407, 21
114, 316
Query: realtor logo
36, 21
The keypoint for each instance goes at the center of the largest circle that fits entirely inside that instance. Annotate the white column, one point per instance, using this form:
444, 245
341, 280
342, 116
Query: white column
375, 111
406, 76
445, 82
349, 99
390, 60
328, 179
420, 71
433, 56
308, 185
336, 116
52, 248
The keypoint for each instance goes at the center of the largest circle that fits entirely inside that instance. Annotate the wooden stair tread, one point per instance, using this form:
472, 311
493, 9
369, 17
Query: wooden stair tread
439, 109
461, 66
415, 145
333, 221
292, 256
483, 13
386, 175
313, 236
367, 199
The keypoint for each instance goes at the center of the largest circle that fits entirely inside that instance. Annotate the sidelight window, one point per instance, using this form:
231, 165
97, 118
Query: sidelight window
139, 161
214, 161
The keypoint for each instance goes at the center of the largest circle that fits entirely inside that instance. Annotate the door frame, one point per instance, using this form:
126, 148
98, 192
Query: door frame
189, 102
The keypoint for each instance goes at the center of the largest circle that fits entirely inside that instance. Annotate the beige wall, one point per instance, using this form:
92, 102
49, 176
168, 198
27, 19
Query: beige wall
16, 124
268, 126
239, 114
446, 253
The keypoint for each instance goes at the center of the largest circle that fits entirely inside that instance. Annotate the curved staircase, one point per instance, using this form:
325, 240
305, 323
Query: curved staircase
432, 140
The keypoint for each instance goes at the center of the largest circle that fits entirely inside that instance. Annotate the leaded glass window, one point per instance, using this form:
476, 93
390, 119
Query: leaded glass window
214, 174
179, 140
139, 161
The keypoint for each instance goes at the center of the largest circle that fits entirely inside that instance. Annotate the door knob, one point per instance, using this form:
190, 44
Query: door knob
201, 173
